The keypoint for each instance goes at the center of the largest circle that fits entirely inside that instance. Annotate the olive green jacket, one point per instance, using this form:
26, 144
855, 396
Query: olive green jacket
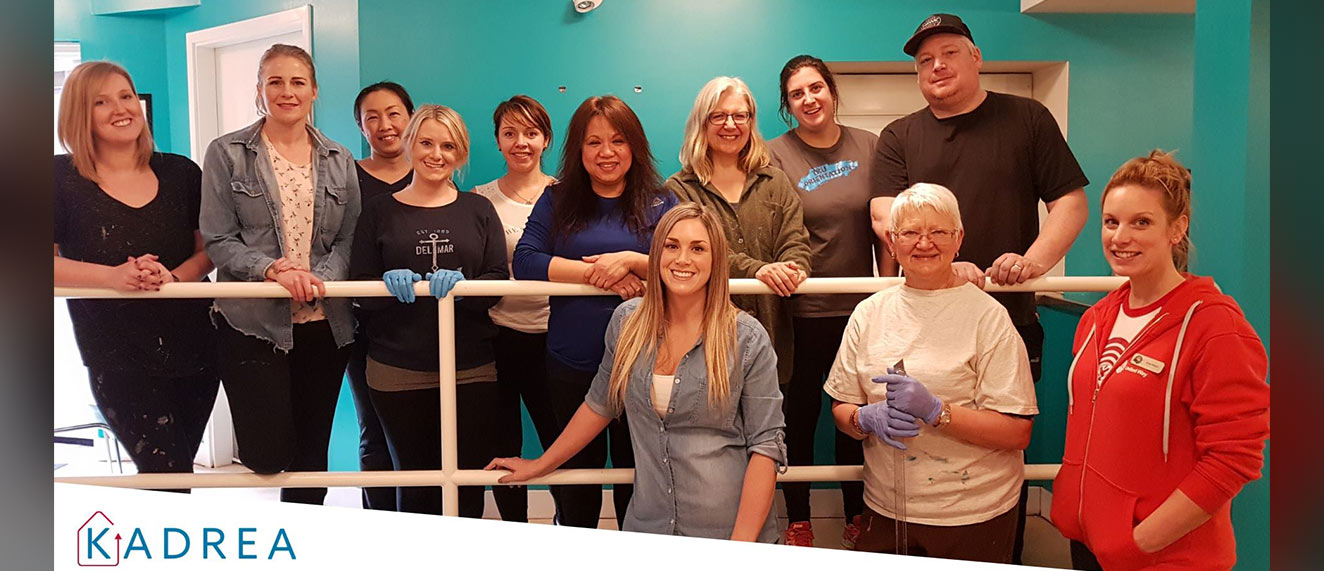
766, 226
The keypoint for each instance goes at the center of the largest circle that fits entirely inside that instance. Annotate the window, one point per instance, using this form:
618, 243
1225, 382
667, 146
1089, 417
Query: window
67, 56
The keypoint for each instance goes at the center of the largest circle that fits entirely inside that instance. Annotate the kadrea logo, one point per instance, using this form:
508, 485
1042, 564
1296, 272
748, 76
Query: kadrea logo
103, 544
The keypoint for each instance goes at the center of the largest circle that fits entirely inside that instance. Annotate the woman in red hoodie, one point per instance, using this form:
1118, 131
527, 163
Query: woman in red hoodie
1169, 404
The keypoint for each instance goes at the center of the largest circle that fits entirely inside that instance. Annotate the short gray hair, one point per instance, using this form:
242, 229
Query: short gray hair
921, 195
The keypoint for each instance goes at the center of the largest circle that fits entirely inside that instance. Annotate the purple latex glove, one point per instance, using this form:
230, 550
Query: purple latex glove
889, 424
908, 394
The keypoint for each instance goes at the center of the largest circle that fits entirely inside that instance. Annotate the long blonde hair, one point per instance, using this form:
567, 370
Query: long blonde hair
647, 325
694, 155
75, 129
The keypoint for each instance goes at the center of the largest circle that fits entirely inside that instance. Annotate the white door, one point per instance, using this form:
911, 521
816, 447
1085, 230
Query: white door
236, 81
222, 64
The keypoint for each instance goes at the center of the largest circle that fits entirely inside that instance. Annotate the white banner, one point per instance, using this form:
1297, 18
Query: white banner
137, 529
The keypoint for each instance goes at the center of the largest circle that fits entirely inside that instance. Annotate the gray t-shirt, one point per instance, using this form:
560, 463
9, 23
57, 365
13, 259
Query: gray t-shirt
833, 184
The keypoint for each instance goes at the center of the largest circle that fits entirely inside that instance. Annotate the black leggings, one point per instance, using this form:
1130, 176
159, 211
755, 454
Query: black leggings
283, 403
521, 361
581, 505
412, 423
373, 453
816, 342
159, 420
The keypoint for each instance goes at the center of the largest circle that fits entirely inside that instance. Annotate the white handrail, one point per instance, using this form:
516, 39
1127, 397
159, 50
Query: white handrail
450, 478
376, 288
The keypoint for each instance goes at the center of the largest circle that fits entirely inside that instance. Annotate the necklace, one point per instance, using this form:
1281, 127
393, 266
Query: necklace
517, 196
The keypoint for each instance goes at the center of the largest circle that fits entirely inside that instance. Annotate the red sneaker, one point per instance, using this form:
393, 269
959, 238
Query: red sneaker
851, 533
800, 533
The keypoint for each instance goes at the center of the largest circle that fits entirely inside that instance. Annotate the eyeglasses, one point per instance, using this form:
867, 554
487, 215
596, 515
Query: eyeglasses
719, 118
937, 237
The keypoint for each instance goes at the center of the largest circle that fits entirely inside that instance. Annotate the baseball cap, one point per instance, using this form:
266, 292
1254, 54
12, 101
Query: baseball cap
936, 24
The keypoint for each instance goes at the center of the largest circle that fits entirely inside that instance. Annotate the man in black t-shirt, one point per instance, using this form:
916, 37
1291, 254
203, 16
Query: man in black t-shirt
999, 154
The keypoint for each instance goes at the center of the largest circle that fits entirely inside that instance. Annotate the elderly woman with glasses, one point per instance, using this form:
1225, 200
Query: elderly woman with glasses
933, 370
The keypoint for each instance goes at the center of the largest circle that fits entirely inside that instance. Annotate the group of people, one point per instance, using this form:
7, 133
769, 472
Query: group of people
706, 395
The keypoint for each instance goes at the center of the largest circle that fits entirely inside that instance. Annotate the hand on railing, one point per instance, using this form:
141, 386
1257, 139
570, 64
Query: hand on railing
782, 277
521, 470
401, 284
303, 285
441, 282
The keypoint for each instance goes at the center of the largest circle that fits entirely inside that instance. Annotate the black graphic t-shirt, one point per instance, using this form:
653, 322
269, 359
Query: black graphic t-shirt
833, 185
465, 235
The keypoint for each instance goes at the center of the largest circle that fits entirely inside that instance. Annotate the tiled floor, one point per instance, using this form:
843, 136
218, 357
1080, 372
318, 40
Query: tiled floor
1045, 547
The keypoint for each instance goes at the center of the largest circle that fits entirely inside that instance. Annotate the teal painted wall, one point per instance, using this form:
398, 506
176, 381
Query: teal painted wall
1230, 169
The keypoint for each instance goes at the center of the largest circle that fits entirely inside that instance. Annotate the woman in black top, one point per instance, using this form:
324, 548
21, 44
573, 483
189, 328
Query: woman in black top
127, 218
381, 111
430, 230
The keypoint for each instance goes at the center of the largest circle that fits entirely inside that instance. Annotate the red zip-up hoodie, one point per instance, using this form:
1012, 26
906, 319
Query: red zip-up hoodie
1185, 408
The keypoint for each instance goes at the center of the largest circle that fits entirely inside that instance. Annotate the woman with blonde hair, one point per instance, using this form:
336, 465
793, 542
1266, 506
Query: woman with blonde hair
430, 230
126, 218
725, 166
696, 380
279, 203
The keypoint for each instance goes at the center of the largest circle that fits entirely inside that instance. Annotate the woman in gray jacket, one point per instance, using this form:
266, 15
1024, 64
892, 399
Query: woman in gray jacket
279, 203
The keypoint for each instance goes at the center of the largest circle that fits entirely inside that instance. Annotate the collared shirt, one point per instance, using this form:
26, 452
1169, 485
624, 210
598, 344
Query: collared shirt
240, 223
690, 465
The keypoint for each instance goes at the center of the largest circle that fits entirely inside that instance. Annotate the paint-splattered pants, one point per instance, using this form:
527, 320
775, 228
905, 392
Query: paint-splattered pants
159, 420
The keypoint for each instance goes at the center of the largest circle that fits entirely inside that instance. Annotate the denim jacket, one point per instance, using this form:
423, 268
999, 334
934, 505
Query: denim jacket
240, 222
690, 465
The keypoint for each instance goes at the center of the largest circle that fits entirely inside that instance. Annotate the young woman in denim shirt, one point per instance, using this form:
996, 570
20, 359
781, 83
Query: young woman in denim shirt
279, 203
697, 380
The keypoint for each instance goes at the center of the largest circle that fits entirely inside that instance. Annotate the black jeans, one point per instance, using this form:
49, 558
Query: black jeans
283, 403
1032, 335
580, 506
412, 422
816, 342
159, 420
521, 361
374, 456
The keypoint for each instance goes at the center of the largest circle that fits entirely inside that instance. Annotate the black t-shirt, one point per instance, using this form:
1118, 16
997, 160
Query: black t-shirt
999, 160
465, 235
371, 187
170, 338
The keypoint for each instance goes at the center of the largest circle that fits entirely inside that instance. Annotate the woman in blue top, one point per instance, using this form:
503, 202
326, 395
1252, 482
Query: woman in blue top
592, 227
685, 364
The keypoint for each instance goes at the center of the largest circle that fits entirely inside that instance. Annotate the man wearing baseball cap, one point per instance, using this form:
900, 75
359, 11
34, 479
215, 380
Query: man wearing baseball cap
1000, 155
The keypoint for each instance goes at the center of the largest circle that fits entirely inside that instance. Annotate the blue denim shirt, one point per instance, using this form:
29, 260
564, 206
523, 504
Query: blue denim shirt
690, 465
240, 222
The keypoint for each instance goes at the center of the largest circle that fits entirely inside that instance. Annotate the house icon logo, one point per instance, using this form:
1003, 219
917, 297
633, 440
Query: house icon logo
98, 542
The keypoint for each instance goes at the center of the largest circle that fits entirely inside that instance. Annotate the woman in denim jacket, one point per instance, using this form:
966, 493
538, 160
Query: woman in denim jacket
698, 379
279, 203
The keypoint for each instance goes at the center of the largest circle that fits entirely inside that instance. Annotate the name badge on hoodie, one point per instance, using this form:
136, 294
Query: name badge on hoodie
1148, 363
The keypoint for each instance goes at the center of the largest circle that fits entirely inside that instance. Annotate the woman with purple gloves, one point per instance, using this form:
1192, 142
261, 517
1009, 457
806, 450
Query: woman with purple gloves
957, 400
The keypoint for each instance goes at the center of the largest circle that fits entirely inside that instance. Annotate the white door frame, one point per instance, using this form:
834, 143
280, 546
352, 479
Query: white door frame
201, 51
218, 447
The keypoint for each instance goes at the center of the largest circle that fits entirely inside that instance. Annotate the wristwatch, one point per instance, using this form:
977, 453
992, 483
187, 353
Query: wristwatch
944, 416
